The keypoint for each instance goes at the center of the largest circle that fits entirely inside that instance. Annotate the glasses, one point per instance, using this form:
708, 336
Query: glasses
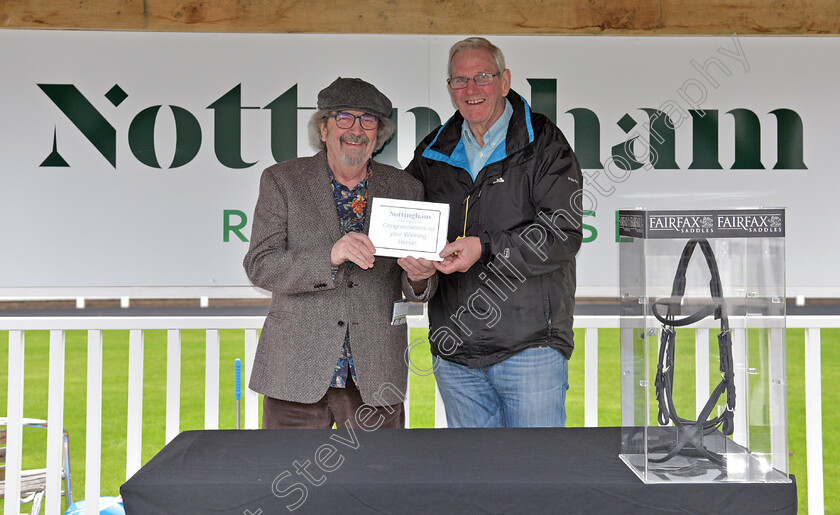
482, 79
347, 120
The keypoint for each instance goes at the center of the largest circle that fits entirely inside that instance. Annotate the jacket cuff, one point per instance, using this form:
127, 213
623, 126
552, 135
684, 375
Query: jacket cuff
408, 290
485, 248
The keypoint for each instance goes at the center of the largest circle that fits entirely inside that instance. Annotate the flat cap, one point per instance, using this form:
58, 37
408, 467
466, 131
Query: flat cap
356, 95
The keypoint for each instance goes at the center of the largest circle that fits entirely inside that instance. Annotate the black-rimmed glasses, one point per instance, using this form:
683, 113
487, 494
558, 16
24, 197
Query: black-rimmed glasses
482, 79
347, 120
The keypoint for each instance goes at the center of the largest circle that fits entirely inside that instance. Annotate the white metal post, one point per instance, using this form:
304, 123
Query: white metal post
813, 420
778, 398
739, 357
134, 433
440, 409
211, 379
251, 397
55, 423
701, 369
590, 378
173, 383
14, 423
93, 428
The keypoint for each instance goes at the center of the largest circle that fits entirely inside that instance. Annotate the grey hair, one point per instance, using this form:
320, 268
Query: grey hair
383, 134
475, 43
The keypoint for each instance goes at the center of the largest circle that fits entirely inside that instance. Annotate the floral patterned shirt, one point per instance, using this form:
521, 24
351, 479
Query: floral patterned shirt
351, 206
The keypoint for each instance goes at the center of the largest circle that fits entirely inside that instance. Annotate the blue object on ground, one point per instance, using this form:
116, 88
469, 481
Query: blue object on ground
107, 505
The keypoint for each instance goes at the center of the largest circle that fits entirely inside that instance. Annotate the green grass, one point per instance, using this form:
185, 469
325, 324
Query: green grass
114, 396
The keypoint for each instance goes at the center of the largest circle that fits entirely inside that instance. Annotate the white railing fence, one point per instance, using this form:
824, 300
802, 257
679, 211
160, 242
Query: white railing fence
18, 326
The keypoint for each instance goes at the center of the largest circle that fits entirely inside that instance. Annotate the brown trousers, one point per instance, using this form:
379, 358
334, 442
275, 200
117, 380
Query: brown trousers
340, 406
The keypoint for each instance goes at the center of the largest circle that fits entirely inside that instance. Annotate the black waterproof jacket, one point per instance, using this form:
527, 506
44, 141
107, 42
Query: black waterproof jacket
525, 206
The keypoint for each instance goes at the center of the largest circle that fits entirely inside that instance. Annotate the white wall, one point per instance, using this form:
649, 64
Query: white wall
117, 229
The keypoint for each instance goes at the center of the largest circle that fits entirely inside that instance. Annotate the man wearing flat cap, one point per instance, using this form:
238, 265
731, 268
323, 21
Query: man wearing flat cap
328, 352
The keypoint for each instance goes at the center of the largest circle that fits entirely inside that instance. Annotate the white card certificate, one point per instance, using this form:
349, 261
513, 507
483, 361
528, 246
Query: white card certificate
401, 228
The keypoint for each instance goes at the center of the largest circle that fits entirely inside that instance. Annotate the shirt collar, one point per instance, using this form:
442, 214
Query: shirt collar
495, 133
362, 183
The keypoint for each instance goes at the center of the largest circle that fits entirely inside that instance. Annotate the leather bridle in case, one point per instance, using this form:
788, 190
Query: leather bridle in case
690, 433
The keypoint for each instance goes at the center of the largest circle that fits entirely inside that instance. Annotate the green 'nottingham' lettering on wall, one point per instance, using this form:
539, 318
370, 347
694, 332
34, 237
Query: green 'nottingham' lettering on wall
652, 146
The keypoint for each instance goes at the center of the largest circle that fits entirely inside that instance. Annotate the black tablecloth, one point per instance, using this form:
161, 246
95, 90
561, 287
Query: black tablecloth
574, 470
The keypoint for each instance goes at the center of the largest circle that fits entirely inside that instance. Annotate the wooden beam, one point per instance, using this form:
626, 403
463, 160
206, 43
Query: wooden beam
752, 17
659, 17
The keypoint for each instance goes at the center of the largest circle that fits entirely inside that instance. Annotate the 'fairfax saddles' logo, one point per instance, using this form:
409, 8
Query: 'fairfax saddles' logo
687, 224
751, 223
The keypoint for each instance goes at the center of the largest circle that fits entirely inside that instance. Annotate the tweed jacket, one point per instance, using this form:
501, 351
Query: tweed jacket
295, 225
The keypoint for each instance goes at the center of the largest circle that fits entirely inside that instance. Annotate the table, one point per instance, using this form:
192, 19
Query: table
573, 470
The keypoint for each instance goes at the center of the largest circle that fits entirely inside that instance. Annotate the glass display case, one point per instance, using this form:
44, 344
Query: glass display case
703, 381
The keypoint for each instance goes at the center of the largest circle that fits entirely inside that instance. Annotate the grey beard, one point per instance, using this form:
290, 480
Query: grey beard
353, 159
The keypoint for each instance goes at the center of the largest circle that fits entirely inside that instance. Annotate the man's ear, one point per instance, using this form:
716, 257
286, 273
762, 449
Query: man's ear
505, 82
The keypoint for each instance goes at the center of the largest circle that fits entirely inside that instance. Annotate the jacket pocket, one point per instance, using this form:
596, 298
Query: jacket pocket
546, 302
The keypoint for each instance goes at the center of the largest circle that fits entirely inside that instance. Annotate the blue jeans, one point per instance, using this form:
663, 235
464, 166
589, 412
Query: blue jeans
526, 390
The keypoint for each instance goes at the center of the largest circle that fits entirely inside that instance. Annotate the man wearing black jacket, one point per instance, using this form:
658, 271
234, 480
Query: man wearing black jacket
501, 322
